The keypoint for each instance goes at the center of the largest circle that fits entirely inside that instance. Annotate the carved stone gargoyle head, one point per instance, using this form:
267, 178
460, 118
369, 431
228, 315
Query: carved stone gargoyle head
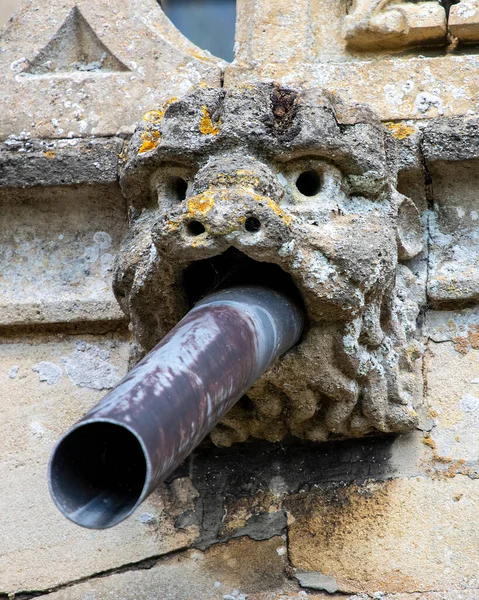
265, 184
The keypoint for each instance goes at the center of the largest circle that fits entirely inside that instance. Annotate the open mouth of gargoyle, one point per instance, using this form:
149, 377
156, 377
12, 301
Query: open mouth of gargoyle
233, 268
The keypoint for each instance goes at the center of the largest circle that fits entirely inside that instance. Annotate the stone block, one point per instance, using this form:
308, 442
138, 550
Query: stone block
57, 247
454, 238
231, 571
450, 139
453, 396
49, 384
28, 163
464, 21
373, 25
418, 88
83, 69
400, 535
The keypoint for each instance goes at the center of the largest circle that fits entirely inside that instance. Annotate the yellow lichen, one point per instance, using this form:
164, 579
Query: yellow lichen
155, 116
284, 216
49, 154
151, 139
202, 204
207, 127
199, 56
400, 131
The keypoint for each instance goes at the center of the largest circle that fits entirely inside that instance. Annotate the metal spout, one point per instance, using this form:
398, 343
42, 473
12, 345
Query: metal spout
120, 451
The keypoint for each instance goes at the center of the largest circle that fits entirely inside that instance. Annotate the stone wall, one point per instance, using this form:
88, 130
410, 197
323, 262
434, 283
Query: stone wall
389, 516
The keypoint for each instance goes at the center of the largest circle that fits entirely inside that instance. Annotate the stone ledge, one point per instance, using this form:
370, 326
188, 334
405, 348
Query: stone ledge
32, 162
451, 139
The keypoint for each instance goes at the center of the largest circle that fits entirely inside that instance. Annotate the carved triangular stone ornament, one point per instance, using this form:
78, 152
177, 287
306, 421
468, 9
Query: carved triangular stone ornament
75, 47
79, 68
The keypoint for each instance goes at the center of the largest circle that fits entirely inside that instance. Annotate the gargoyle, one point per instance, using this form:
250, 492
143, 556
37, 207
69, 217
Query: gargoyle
292, 189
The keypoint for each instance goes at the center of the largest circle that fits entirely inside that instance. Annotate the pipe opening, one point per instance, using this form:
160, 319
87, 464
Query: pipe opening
97, 474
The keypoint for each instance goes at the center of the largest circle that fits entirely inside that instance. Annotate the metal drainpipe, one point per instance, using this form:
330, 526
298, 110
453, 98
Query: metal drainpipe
120, 451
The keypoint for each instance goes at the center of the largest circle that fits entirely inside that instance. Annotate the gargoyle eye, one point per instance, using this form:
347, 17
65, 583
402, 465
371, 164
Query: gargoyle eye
172, 184
177, 187
308, 183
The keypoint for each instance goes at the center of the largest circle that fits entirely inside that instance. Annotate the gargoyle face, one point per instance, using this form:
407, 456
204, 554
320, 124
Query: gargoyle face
263, 184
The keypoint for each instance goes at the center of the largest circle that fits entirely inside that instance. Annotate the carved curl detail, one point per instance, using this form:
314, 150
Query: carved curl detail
393, 24
315, 178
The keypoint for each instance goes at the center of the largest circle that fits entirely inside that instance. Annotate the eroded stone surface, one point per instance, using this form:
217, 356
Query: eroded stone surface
454, 233
340, 237
28, 163
453, 398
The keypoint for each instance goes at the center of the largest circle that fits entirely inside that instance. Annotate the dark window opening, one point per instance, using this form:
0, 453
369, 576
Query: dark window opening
210, 24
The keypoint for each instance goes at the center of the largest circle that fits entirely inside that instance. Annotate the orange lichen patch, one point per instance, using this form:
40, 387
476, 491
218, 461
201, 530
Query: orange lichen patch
201, 204
151, 139
172, 225
454, 466
283, 215
464, 344
49, 154
400, 131
207, 127
155, 116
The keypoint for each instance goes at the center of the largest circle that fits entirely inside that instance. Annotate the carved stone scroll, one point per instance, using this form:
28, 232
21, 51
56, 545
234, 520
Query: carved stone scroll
395, 24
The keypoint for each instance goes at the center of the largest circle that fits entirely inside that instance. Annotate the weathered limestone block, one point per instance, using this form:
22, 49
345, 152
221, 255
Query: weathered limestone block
453, 388
28, 163
47, 384
451, 152
464, 21
401, 535
264, 184
379, 24
395, 88
260, 25
57, 246
230, 571
84, 68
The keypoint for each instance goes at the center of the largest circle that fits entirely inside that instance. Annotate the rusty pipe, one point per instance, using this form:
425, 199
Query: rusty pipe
120, 451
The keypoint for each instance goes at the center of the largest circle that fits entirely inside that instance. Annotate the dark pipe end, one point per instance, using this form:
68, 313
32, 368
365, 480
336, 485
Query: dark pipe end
97, 474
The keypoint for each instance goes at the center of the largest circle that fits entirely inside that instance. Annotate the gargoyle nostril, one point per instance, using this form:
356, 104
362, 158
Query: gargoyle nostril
252, 224
309, 183
196, 228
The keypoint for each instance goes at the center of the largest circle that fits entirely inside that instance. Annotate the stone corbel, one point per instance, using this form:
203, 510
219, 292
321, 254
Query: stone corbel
394, 24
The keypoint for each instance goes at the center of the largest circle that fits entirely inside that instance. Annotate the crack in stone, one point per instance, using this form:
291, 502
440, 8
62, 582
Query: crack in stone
143, 564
